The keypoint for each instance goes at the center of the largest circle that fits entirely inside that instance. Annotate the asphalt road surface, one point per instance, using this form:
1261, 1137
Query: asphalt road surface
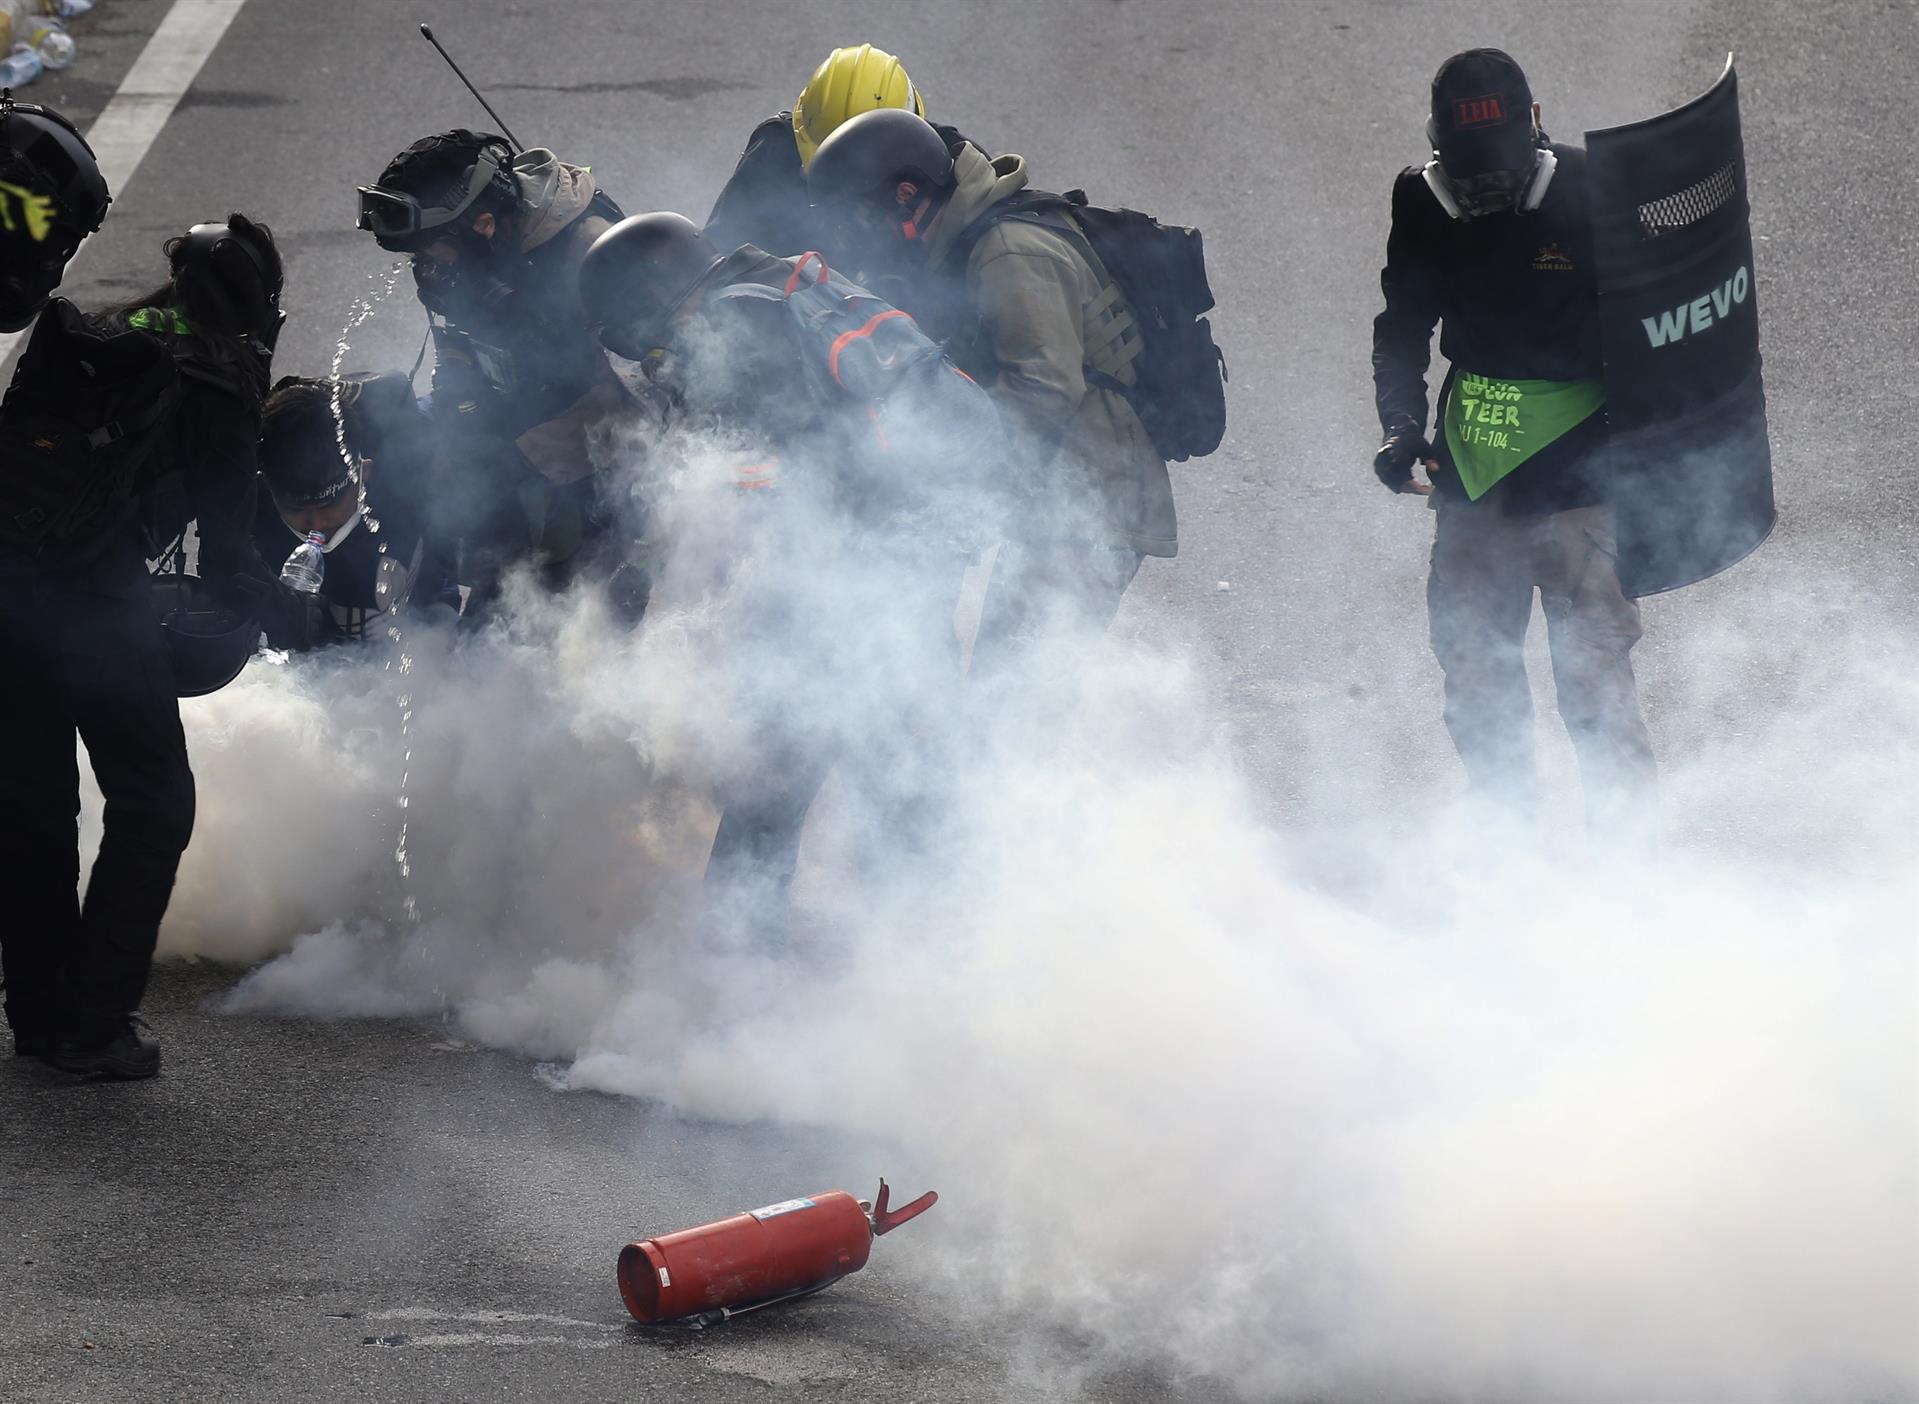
366, 1210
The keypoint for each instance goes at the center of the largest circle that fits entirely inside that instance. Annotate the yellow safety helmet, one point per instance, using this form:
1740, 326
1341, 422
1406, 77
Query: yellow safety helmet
850, 82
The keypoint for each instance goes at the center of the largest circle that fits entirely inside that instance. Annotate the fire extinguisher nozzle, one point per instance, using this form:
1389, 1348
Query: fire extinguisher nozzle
885, 1220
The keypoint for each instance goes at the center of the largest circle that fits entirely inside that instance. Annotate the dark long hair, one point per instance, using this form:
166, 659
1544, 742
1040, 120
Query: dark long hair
205, 339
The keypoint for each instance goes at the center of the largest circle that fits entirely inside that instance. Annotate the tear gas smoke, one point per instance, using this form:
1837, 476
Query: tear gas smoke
1446, 1115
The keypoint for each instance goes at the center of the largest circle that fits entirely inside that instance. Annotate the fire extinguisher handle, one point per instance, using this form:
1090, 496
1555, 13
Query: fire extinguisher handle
885, 1221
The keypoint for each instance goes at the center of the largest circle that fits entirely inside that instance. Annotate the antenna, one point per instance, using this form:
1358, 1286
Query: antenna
427, 30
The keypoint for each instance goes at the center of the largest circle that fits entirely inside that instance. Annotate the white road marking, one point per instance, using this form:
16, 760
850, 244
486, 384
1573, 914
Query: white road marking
516, 1318
467, 1339
126, 127
601, 1338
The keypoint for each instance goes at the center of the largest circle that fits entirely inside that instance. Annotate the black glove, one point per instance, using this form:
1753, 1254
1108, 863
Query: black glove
291, 619
1404, 447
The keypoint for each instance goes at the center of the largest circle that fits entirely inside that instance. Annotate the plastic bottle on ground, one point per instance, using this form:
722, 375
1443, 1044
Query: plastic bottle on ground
50, 37
306, 567
20, 67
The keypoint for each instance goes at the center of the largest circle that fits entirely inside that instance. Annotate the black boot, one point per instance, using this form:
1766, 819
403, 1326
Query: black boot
127, 1055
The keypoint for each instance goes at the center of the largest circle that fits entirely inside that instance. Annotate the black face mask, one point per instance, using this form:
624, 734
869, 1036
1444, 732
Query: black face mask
466, 290
24, 290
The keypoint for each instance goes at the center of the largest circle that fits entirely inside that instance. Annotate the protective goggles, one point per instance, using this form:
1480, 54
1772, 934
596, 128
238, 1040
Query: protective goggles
393, 214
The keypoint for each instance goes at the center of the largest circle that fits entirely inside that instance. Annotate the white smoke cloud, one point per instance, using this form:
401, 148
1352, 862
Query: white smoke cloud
1477, 1117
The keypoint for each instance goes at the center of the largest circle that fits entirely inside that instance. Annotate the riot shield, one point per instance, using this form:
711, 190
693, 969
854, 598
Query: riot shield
1679, 327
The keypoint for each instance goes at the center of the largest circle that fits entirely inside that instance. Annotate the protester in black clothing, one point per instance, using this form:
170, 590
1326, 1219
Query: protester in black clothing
519, 382
859, 448
1491, 240
764, 202
170, 386
368, 499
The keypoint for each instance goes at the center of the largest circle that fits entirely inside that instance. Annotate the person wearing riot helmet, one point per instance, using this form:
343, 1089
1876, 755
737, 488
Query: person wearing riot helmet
852, 437
118, 431
1491, 240
496, 240
764, 202
52, 196
1028, 311
339, 460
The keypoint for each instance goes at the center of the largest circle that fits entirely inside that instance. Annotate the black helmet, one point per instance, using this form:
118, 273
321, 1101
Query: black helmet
54, 196
231, 276
208, 642
866, 159
437, 187
638, 274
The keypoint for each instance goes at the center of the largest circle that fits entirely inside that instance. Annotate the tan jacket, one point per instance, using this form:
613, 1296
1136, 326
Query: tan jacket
1095, 474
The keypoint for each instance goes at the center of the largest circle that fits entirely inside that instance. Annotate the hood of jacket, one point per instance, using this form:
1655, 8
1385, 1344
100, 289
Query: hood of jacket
552, 195
981, 182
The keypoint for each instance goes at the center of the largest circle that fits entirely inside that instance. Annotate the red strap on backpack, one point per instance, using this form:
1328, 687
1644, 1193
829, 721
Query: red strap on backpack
799, 272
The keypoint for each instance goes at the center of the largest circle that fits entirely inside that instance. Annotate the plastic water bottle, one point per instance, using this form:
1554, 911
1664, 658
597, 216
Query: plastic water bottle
306, 567
20, 67
50, 37
67, 9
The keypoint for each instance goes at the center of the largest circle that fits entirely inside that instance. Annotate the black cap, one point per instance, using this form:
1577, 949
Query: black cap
1482, 114
299, 441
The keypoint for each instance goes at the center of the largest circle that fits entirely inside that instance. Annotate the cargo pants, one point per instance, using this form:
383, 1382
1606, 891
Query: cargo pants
1479, 595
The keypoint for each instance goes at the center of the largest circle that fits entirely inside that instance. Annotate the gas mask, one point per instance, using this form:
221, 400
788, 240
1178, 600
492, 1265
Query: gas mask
466, 290
1484, 193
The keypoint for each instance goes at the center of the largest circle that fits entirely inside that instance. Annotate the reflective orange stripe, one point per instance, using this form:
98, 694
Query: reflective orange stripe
839, 343
799, 271
757, 475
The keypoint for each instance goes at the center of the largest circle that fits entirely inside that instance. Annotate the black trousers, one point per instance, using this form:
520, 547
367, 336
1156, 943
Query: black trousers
86, 657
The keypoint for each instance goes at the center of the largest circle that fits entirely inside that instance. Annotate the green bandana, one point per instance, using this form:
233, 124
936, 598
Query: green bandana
1493, 426
160, 319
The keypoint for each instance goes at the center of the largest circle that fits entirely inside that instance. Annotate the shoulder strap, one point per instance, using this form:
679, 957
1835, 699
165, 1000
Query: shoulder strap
1027, 205
1113, 338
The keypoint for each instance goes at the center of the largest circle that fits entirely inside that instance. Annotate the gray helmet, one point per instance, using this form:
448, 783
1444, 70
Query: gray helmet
865, 160
55, 197
638, 274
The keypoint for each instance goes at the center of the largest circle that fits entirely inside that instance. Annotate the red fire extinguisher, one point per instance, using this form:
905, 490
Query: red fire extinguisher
791, 1249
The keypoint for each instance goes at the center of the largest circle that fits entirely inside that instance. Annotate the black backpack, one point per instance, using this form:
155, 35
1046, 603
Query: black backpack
1180, 389
78, 428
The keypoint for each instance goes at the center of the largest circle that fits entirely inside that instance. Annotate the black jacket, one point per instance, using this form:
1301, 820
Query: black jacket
1515, 296
764, 200
199, 468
